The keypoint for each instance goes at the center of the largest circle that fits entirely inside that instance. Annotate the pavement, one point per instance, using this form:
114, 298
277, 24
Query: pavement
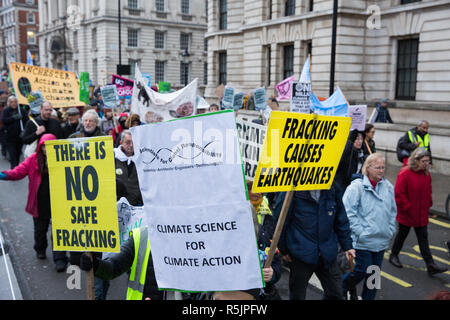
22, 277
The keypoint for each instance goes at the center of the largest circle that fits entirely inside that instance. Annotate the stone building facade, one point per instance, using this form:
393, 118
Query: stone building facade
18, 31
396, 49
164, 37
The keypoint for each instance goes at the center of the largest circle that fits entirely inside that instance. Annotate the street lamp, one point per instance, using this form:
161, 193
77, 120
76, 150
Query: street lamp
64, 20
185, 54
333, 46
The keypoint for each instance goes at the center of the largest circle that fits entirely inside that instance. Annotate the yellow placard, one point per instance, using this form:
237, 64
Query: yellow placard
83, 195
60, 88
300, 152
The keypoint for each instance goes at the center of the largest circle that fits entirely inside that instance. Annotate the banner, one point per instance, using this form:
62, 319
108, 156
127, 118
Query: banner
35, 100
301, 91
83, 195
300, 152
152, 106
200, 222
251, 139
84, 87
110, 96
284, 89
336, 105
164, 87
60, 88
358, 115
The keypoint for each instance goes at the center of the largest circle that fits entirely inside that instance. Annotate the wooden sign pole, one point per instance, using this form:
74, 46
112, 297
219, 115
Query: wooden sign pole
90, 291
280, 224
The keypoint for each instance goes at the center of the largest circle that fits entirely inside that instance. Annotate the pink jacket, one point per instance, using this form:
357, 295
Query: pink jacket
30, 168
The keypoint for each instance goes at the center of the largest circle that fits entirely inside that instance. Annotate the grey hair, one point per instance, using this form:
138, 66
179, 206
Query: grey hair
124, 133
91, 113
11, 98
416, 156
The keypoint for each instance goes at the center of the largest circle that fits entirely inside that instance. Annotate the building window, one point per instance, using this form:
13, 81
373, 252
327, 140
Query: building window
31, 37
159, 39
288, 61
268, 64
408, 1
223, 68
205, 45
133, 38
407, 69
184, 41
311, 5
160, 6
205, 73
185, 6
75, 41
184, 73
133, 4
94, 38
222, 14
289, 9
31, 18
159, 71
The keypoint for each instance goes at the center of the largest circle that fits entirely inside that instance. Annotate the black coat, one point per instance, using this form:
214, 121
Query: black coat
348, 165
127, 175
11, 124
405, 147
51, 126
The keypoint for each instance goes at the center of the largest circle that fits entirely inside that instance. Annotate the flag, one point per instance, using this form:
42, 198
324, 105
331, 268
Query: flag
336, 105
29, 58
284, 89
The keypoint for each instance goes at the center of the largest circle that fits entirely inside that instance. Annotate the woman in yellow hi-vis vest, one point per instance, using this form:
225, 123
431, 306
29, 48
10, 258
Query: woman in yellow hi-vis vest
134, 255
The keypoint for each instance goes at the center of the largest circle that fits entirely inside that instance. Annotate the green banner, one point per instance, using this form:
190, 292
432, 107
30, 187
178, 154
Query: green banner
84, 87
164, 87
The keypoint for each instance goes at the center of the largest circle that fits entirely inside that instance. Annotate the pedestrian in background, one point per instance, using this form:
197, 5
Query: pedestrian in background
38, 203
369, 142
383, 115
73, 123
352, 159
14, 121
371, 210
413, 195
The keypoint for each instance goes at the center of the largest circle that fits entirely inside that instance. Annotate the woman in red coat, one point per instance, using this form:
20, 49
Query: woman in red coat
38, 203
413, 196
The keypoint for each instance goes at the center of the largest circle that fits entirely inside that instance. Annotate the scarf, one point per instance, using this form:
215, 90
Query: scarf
121, 156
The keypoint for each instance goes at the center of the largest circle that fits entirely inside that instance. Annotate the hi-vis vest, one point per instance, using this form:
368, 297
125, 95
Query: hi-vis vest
263, 210
139, 268
424, 143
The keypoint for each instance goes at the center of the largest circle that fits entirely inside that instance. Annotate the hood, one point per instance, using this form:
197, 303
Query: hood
123, 115
45, 137
121, 156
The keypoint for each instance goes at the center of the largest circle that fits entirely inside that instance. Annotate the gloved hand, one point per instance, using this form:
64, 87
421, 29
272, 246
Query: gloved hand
2, 176
85, 262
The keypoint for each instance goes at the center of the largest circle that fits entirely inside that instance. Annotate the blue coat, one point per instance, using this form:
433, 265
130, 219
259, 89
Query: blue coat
371, 213
313, 229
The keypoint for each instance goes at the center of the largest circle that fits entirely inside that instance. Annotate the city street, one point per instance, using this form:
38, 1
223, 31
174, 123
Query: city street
38, 279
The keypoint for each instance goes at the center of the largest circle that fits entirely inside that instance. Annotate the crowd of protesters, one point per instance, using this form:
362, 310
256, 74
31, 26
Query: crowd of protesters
356, 218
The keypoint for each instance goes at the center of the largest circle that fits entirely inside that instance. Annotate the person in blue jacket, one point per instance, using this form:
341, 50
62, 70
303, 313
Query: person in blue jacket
371, 210
315, 223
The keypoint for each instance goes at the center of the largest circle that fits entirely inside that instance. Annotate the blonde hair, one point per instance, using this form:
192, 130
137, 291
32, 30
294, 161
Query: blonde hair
370, 160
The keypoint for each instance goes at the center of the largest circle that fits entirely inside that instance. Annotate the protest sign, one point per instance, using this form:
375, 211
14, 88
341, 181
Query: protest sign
152, 106
284, 89
164, 87
238, 101
260, 99
60, 88
83, 195
301, 91
201, 231
336, 105
110, 96
300, 152
358, 115
228, 96
148, 76
35, 100
130, 218
124, 86
84, 87
251, 139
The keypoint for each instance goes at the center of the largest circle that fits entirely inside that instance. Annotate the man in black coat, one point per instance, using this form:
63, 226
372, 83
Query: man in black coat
46, 125
73, 123
14, 121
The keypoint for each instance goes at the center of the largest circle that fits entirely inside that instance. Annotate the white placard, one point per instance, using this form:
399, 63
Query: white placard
358, 115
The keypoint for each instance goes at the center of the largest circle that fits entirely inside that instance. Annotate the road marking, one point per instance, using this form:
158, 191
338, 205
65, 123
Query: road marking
417, 249
396, 280
440, 223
